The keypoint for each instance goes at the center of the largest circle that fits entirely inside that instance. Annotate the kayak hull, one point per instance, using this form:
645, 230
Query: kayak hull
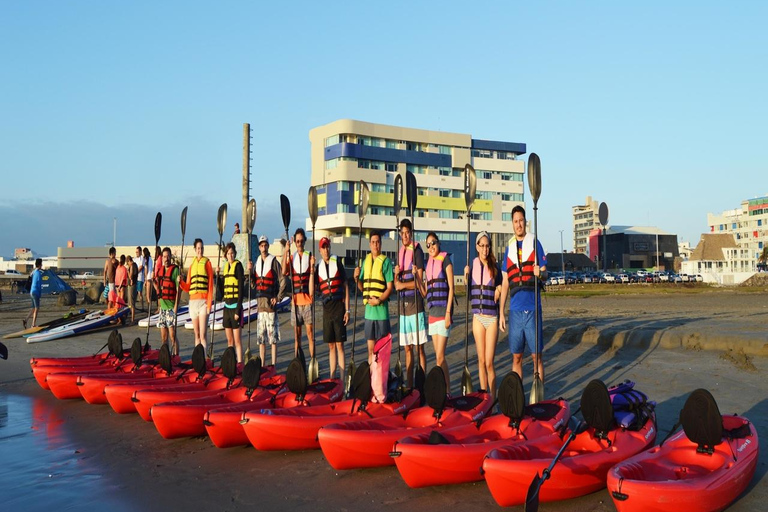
674, 477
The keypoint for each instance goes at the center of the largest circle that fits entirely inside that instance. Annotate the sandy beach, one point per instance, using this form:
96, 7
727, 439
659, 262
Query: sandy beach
669, 343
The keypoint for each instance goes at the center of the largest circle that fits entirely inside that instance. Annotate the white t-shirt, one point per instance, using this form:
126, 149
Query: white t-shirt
140, 264
148, 268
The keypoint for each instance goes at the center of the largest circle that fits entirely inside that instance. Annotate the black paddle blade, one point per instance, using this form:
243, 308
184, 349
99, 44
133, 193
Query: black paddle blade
602, 214
221, 219
184, 221
250, 216
3, 351
158, 226
470, 186
398, 195
534, 177
285, 210
312, 204
411, 191
532, 498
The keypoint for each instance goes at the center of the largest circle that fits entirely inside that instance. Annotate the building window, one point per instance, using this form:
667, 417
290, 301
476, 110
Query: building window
332, 163
377, 143
391, 167
342, 208
391, 144
343, 186
332, 141
445, 150
506, 217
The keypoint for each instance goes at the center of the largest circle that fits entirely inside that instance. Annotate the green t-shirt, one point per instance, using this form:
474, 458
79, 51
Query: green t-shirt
380, 312
168, 304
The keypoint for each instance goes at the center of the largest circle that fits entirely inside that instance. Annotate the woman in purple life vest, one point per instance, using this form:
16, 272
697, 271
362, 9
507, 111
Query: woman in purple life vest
439, 274
484, 280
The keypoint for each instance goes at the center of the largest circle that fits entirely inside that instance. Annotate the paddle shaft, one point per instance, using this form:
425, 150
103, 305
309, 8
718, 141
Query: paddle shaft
312, 277
213, 307
532, 500
536, 305
397, 299
248, 259
178, 292
466, 286
359, 264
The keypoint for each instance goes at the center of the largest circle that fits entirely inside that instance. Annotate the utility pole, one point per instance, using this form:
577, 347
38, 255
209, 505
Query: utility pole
246, 172
562, 253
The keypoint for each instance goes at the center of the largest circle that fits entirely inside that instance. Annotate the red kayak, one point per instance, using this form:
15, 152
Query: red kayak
702, 468
367, 444
296, 429
41, 372
81, 360
581, 469
421, 459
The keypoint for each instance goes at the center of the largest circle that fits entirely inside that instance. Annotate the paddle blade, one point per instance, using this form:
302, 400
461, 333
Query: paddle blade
314, 370
184, 221
285, 210
602, 214
158, 225
398, 195
532, 498
537, 390
466, 381
312, 204
3, 351
399, 370
250, 216
470, 186
362, 201
534, 176
348, 377
221, 219
411, 191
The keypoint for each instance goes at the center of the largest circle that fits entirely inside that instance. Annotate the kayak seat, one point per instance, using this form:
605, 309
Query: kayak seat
296, 378
464, 403
228, 363
164, 358
251, 375
115, 344
361, 384
701, 421
435, 391
199, 362
437, 438
136, 352
596, 408
512, 399
542, 411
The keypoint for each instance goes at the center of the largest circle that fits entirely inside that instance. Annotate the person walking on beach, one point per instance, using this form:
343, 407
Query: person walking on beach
266, 277
140, 268
484, 280
166, 285
110, 266
439, 294
518, 273
303, 289
149, 276
199, 285
133, 275
334, 292
232, 322
375, 281
35, 292
409, 272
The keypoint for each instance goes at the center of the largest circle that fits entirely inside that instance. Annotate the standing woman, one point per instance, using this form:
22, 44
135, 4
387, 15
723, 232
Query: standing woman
199, 285
439, 293
484, 293
149, 276
233, 300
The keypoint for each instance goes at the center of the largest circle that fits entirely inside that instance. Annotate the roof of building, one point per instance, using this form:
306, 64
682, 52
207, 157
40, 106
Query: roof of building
711, 245
636, 230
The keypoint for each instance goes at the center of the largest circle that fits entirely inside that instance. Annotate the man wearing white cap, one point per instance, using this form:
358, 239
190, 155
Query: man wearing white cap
266, 277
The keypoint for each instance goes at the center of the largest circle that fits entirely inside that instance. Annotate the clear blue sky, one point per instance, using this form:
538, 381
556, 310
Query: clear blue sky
121, 109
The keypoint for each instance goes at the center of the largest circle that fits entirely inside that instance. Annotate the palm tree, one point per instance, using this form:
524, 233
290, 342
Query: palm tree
764, 255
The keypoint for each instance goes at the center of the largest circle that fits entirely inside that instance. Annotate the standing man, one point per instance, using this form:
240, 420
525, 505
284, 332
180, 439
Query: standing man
167, 288
110, 267
233, 301
133, 275
199, 285
303, 289
35, 291
267, 277
375, 281
518, 273
140, 267
409, 272
334, 292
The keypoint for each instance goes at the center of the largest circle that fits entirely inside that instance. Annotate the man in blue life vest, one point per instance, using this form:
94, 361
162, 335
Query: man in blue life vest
519, 270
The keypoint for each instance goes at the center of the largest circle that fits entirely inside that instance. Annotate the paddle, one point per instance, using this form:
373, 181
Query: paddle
314, 370
362, 209
470, 189
285, 210
250, 220
221, 221
532, 497
398, 198
534, 184
3, 351
412, 193
181, 266
158, 225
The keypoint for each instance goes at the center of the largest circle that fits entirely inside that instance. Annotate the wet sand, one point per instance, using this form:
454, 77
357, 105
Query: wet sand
669, 344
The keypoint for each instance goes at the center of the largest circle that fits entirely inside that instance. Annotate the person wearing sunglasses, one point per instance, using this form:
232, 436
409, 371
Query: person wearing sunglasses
439, 272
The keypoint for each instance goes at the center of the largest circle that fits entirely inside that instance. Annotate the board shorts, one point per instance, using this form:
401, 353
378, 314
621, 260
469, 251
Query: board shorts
228, 320
437, 327
267, 330
522, 332
376, 329
139, 287
408, 335
35, 301
197, 307
167, 319
334, 330
305, 315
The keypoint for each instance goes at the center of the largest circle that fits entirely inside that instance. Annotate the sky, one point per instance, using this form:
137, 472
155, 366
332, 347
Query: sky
123, 109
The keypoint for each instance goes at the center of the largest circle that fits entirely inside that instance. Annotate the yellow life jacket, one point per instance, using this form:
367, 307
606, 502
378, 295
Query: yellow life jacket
374, 284
231, 283
199, 277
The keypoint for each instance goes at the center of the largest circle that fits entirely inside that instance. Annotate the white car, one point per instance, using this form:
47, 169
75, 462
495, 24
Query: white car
12, 272
622, 278
85, 275
609, 278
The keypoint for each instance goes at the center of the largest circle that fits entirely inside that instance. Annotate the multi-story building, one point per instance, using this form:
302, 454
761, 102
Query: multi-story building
346, 151
585, 219
749, 227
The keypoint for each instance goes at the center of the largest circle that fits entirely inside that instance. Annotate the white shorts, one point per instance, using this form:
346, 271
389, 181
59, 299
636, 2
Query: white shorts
197, 307
267, 329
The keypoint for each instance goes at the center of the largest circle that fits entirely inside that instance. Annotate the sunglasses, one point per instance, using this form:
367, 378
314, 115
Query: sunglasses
430, 244
483, 246
299, 241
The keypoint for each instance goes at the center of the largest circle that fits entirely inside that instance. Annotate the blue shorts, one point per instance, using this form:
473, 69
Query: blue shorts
139, 286
522, 332
376, 329
35, 301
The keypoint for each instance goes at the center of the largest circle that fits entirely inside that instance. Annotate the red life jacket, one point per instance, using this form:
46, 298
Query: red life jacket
521, 273
406, 267
301, 272
329, 276
165, 282
265, 277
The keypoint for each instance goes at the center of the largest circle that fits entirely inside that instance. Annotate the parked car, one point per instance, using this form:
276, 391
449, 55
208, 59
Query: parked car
699, 278
684, 278
663, 277
607, 278
622, 278
13, 272
85, 275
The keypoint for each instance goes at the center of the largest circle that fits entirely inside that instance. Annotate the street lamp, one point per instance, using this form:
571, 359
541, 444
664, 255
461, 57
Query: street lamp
562, 253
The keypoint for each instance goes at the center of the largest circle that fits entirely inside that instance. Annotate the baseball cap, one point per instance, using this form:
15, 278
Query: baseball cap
325, 242
263, 239
482, 234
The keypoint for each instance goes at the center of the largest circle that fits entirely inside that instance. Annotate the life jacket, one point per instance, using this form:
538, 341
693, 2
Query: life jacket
521, 273
265, 277
231, 282
165, 282
374, 284
301, 272
405, 257
482, 290
437, 282
331, 284
199, 277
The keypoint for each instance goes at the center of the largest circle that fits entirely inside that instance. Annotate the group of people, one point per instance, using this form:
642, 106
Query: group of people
124, 279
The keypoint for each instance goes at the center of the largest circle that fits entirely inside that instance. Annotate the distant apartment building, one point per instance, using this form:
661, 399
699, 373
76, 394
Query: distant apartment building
585, 219
346, 151
749, 227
